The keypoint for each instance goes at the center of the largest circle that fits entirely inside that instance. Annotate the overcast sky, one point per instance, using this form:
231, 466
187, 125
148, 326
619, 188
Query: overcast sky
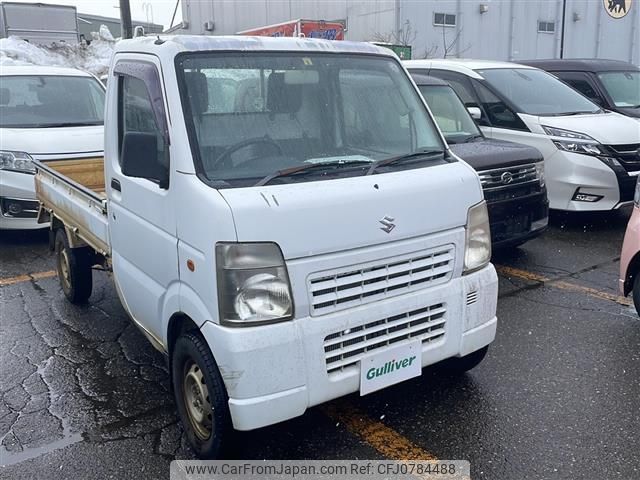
157, 11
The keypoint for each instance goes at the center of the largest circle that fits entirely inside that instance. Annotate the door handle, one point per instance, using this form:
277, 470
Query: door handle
115, 184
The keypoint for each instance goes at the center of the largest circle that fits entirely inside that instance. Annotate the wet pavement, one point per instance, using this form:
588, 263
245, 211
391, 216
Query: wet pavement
84, 395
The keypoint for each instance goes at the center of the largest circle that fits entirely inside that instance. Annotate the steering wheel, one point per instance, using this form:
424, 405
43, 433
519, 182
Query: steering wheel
224, 156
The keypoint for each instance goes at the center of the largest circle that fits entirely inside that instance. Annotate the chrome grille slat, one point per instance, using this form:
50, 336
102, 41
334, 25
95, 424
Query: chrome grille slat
345, 349
352, 286
520, 175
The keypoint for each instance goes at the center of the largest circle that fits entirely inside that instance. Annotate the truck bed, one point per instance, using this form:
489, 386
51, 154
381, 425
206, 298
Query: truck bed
73, 191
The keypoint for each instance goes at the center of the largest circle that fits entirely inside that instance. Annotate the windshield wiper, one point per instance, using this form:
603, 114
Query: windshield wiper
401, 158
309, 168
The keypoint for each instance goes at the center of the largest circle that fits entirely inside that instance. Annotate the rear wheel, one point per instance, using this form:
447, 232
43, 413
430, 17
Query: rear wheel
636, 293
200, 396
74, 269
460, 365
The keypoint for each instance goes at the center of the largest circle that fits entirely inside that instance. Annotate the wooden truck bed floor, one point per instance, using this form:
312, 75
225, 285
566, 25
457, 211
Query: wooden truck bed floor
88, 172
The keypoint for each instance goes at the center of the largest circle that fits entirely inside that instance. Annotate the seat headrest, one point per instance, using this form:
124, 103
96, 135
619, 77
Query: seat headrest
281, 97
5, 96
198, 91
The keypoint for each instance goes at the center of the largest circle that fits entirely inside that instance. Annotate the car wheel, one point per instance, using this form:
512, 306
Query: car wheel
201, 396
74, 269
636, 293
460, 365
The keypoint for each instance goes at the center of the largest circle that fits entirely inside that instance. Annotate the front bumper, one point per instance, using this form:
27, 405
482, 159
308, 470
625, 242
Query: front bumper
515, 220
18, 186
273, 373
571, 173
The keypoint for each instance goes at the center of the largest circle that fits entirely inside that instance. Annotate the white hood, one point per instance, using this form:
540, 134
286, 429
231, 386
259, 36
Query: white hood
51, 143
320, 217
606, 128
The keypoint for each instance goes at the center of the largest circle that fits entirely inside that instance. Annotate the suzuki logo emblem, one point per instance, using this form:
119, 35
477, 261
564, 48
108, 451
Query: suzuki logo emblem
387, 224
507, 178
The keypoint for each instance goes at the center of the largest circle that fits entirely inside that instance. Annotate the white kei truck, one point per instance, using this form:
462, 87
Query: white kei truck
283, 219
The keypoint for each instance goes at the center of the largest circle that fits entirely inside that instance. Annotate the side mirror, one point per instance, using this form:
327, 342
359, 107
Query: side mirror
475, 112
140, 158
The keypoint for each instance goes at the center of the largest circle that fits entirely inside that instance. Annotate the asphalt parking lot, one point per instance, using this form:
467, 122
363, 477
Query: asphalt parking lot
83, 394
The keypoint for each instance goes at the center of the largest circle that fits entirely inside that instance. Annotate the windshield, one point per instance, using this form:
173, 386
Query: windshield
622, 87
537, 93
253, 115
451, 115
50, 101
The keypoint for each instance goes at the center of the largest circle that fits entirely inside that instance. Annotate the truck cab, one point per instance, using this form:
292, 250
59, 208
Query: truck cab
283, 219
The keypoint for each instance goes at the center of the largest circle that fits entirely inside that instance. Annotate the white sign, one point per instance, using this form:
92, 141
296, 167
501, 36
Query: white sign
390, 366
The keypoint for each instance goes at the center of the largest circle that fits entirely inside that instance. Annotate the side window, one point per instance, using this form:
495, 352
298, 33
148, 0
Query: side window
136, 115
581, 83
499, 113
460, 84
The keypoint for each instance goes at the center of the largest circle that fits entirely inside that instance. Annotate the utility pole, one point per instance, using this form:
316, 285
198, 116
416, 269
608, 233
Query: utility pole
125, 18
564, 16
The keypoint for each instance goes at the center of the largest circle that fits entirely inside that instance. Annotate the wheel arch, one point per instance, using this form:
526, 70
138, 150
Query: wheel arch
633, 270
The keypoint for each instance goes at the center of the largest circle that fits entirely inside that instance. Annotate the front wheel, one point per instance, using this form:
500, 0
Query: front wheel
200, 396
74, 269
636, 293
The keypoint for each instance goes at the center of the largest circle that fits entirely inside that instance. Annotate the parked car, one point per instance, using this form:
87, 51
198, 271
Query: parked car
612, 84
630, 258
282, 253
591, 155
512, 174
46, 113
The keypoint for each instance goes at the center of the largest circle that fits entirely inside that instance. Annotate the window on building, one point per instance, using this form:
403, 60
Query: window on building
444, 19
546, 27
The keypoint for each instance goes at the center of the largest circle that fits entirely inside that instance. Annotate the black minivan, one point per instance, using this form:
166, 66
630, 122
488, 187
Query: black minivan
512, 174
612, 84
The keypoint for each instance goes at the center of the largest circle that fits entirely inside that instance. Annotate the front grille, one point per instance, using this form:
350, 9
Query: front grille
353, 286
345, 349
509, 177
628, 155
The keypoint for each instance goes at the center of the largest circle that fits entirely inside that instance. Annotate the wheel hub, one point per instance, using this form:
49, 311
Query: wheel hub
197, 402
64, 267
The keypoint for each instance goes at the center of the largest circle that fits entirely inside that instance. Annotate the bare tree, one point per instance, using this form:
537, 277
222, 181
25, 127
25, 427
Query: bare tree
448, 46
405, 36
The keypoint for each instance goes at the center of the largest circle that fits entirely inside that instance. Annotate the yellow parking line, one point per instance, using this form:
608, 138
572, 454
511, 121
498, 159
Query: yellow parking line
385, 440
563, 285
26, 278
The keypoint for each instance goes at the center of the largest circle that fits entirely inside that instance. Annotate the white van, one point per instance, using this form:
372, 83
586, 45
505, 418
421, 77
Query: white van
592, 156
283, 219
46, 113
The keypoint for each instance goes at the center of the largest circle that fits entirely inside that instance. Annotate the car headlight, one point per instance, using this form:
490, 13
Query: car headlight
253, 284
477, 252
636, 198
16, 161
575, 142
540, 173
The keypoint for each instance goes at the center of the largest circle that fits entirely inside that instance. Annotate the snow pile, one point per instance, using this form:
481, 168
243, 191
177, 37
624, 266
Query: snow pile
93, 58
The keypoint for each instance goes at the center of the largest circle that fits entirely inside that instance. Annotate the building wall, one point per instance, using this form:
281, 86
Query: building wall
508, 30
91, 23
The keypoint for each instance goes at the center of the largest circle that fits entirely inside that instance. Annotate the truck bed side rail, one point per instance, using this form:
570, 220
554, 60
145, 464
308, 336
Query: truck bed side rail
82, 211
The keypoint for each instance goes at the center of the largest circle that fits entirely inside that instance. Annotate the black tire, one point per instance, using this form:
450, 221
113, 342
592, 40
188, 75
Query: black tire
74, 269
192, 360
460, 365
636, 293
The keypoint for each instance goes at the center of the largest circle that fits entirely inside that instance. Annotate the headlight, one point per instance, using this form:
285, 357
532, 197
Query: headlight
540, 173
560, 132
253, 284
575, 142
16, 161
478, 238
636, 199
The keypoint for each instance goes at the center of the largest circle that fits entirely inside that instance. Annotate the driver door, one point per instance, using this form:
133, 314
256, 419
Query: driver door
142, 219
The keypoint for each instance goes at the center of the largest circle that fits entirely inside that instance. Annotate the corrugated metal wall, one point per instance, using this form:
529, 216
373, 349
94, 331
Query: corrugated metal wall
507, 30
